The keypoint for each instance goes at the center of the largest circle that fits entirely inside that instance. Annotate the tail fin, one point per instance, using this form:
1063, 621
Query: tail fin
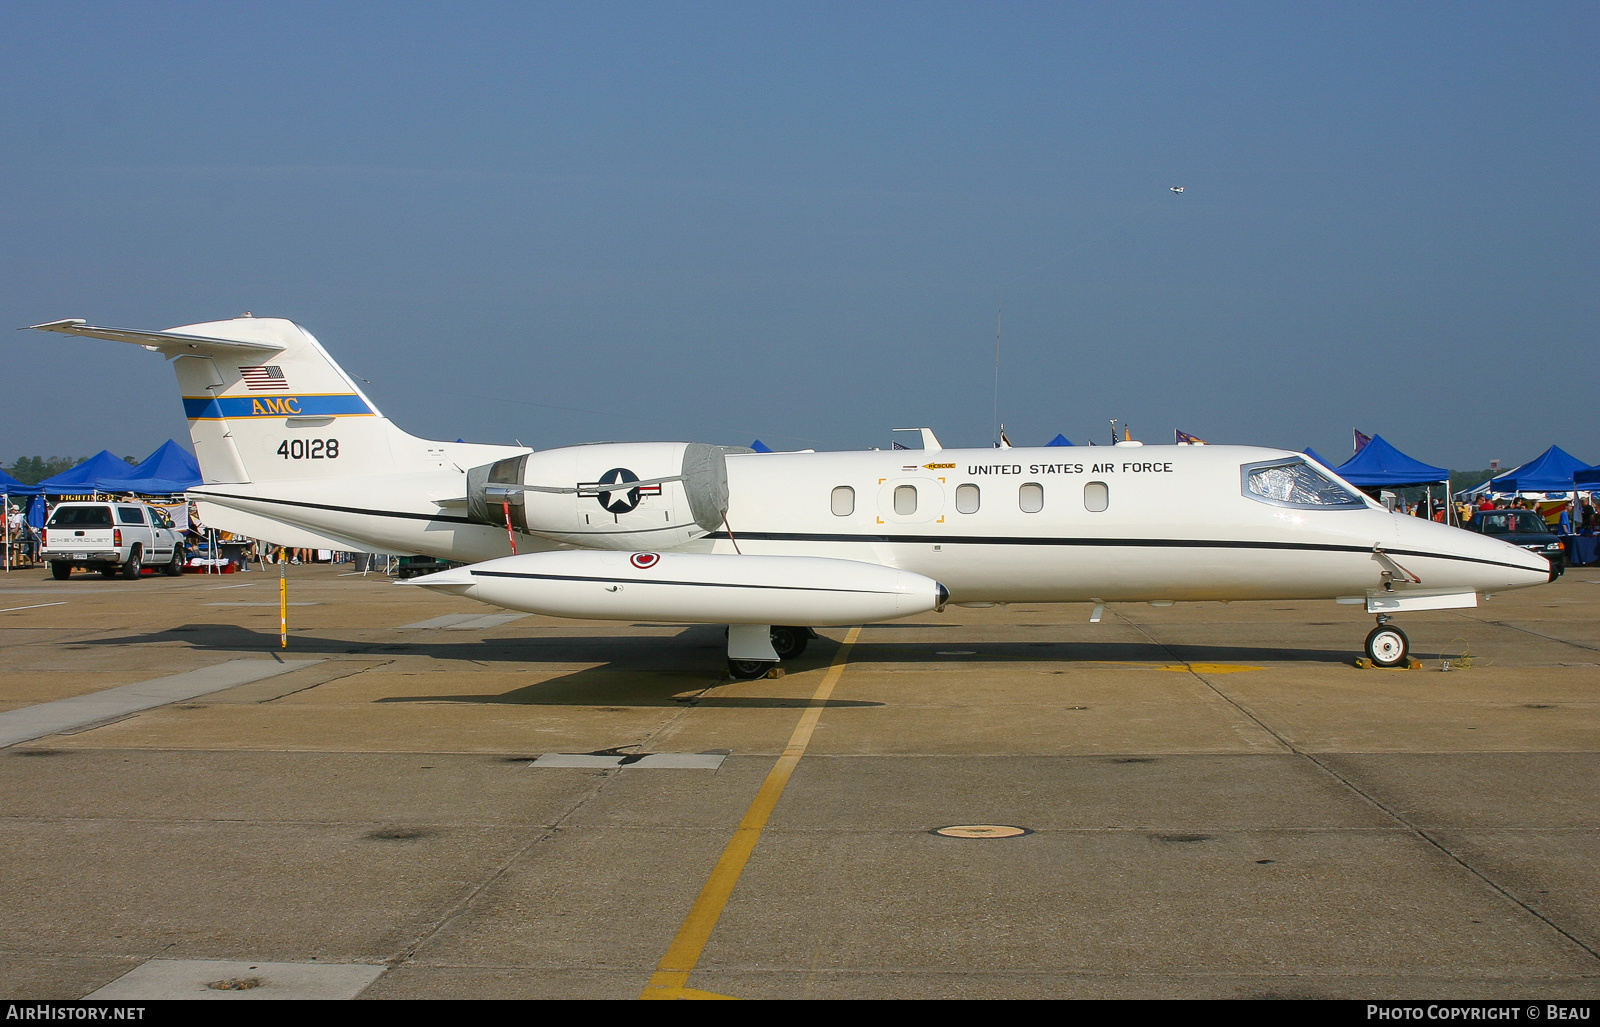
266, 403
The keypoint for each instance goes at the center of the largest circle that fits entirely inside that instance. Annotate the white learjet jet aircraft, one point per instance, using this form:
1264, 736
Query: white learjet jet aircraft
772, 544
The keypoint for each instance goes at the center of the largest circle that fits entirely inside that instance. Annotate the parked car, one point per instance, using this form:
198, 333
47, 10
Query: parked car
111, 538
1522, 528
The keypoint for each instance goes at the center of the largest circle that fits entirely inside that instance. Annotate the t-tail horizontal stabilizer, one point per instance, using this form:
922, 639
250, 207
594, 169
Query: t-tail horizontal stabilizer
171, 344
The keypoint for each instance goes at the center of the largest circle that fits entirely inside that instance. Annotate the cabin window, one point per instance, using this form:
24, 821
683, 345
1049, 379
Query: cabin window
130, 515
967, 498
1096, 497
1031, 497
905, 499
843, 502
1296, 483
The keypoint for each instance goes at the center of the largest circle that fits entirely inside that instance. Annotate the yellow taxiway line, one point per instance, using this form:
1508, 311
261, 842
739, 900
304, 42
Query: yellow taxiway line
671, 979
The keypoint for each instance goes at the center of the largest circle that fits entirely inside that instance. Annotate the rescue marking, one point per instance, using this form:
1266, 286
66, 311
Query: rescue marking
671, 979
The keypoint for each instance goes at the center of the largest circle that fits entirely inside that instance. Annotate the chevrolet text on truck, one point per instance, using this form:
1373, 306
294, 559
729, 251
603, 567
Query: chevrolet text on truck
111, 538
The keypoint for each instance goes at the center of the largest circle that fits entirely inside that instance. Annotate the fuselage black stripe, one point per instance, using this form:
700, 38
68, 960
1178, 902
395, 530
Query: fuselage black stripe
1112, 543
659, 581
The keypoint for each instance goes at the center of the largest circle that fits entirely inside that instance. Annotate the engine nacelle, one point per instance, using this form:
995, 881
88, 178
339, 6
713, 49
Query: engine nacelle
612, 495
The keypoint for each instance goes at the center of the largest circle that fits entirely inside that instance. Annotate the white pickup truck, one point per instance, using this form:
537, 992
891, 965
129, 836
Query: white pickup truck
111, 538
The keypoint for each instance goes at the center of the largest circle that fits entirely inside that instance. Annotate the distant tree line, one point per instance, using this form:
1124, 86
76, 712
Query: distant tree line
1471, 479
31, 470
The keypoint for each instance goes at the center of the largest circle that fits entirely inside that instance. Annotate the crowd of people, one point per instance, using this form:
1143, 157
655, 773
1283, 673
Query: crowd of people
230, 550
1570, 517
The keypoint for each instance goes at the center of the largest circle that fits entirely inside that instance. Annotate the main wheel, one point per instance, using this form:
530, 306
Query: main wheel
61, 570
174, 567
1388, 646
789, 642
135, 564
749, 670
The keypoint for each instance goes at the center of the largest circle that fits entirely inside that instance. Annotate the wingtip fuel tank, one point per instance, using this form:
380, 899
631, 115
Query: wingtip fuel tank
701, 587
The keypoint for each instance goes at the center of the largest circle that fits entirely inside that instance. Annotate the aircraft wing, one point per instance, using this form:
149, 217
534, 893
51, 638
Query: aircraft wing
169, 344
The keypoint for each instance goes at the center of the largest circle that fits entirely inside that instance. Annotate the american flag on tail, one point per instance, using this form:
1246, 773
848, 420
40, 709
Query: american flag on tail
267, 377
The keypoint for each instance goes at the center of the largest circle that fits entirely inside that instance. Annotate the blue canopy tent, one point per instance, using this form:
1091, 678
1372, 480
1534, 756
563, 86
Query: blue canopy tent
1313, 454
85, 477
171, 469
1378, 465
10, 486
1587, 480
1059, 440
1554, 470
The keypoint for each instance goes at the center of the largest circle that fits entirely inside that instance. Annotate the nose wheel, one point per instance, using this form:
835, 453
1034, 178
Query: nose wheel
1388, 646
749, 670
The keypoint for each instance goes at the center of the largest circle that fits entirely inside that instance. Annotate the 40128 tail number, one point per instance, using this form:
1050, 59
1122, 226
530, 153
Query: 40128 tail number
309, 449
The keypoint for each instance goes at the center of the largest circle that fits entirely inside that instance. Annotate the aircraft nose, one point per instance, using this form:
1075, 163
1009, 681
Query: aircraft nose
1457, 557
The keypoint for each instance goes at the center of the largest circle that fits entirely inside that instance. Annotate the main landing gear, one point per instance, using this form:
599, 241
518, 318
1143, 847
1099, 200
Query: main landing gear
754, 649
1387, 645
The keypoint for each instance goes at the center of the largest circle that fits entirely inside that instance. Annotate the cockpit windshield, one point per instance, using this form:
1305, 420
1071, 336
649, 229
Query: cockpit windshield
1296, 483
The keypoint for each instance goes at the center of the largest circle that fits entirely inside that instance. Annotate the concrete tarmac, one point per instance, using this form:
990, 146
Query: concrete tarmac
1216, 802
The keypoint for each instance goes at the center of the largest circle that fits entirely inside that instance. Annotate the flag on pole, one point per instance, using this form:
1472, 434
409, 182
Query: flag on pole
1183, 438
896, 445
1361, 440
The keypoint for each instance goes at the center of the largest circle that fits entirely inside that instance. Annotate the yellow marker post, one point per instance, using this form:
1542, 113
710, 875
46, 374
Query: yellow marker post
283, 602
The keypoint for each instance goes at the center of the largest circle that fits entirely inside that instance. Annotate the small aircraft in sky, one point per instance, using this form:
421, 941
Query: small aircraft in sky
293, 452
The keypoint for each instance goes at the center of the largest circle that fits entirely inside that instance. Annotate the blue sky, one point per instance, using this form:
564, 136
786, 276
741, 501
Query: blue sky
571, 222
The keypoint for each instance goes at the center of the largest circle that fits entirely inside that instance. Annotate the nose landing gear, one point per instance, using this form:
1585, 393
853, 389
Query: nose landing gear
1387, 645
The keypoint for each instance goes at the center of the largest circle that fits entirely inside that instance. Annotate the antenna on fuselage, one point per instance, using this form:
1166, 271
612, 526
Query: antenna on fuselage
998, 316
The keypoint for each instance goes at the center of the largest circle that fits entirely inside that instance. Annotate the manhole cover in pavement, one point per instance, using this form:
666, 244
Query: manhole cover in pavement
981, 831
